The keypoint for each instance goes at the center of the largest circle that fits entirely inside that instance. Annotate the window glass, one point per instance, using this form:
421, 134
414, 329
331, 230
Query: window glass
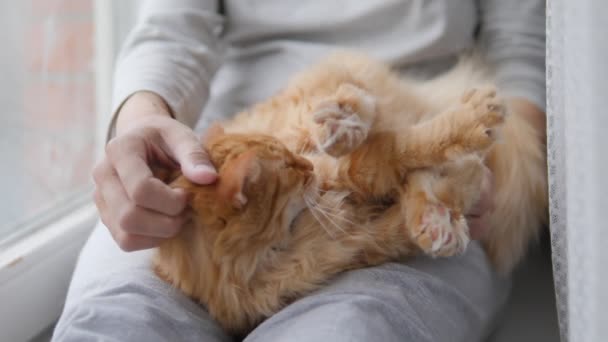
47, 123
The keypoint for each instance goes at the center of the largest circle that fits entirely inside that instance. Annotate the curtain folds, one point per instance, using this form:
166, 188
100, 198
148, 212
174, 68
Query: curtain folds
577, 102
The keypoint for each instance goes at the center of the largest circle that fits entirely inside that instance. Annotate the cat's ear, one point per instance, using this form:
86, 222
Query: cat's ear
236, 175
213, 133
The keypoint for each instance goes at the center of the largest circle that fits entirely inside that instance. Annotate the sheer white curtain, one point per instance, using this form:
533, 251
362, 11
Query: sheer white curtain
577, 76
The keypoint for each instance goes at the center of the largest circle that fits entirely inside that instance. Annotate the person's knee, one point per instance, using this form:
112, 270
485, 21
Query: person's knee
378, 316
136, 307
393, 302
363, 305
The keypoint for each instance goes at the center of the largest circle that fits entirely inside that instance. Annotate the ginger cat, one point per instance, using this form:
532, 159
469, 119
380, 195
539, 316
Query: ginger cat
351, 166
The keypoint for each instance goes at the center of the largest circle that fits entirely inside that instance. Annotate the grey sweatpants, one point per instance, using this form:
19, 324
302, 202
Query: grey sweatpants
114, 296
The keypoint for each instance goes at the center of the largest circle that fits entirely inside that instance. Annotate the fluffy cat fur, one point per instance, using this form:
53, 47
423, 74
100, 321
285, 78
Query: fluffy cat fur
349, 166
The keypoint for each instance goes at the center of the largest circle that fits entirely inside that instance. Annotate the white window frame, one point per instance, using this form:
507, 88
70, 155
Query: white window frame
35, 272
36, 269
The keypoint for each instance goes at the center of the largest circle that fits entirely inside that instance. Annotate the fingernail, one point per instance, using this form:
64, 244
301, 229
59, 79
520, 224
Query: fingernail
204, 168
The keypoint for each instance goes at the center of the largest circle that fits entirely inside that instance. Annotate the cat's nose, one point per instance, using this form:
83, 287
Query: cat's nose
304, 163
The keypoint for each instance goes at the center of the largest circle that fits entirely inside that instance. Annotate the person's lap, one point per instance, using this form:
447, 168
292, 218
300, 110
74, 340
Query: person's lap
116, 296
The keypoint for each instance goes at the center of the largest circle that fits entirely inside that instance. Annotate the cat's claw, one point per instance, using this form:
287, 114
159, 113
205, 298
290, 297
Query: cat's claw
440, 234
341, 128
487, 112
338, 137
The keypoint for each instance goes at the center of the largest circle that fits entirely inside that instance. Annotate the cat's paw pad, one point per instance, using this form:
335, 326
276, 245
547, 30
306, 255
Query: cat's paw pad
440, 234
486, 111
340, 130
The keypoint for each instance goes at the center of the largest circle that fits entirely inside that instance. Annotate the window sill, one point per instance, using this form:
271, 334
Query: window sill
35, 273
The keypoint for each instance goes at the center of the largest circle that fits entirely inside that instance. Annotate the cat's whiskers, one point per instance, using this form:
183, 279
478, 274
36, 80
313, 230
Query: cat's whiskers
327, 217
361, 228
332, 207
339, 217
311, 208
316, 211
333, 212
329, 208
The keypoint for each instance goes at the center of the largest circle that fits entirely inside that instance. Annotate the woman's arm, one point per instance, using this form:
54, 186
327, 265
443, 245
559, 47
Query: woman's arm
160, 86
173, 51
512, 38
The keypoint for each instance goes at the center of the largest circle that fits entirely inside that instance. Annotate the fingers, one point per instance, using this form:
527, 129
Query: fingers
132, 218
128, 157
126, 241
131, 242
188, 150
139, 209
132, 227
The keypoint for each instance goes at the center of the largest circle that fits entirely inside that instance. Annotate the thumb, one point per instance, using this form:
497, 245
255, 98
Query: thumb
193, 159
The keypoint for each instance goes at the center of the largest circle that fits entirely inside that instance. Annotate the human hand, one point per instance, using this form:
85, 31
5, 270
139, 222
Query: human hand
140, 210
477, 217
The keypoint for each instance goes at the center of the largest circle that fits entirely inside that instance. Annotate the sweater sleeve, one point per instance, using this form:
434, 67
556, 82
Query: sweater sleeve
512, 38
172, 51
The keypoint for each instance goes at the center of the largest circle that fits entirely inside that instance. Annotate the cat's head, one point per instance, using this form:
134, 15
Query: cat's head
261, 185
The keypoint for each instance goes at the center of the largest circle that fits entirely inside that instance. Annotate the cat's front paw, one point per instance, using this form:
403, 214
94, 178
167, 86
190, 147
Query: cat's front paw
483, 113
440, 233
343, 120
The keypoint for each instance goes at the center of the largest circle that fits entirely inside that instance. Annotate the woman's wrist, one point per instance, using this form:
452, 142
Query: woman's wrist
140, 105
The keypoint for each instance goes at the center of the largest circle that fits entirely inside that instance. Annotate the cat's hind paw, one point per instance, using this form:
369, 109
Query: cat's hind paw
441, 234
484, 112
339, 136
341, 120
